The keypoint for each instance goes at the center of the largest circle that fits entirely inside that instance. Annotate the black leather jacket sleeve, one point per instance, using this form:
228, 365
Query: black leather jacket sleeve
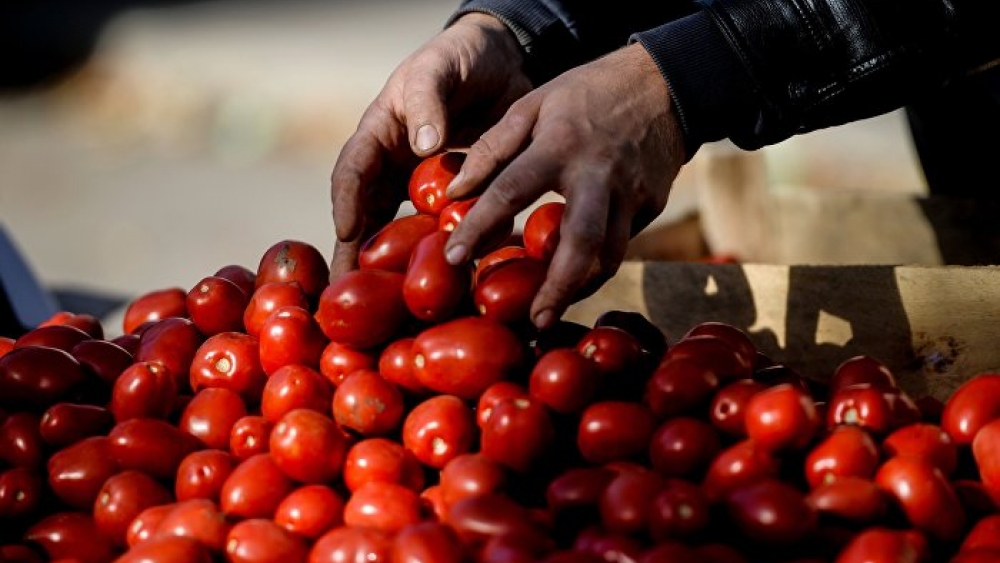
760, 71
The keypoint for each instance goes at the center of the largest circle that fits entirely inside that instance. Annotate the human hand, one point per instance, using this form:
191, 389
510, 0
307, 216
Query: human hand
604, 135
445, 93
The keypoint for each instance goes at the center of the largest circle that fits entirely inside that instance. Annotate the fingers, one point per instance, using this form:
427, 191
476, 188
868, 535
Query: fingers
345, 258
357, 166
424, 108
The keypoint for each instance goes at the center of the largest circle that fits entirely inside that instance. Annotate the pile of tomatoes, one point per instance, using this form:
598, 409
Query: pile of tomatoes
408, 412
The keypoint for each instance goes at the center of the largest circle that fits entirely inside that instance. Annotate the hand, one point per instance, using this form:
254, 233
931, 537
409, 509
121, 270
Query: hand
447, 92
603, 135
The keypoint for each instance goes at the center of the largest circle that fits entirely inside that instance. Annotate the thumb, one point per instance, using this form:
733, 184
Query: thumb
426, 115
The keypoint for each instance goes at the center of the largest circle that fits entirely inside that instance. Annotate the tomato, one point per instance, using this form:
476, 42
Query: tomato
202, 473
974, 498
62, 337
216, 305
250, 436
680, 386
363, 308
434, 289
255, 488
430, 179
64, 424
310, 511
71, 535
427, 542
294, 261
516, 547
541, 230
624, 503
717, 553
267, 298
781, 418
127, 342
229, 360
564, 381
36, 377
977, 555
392, 246
684, 447
308, 446
881, 545
851, 499
465, 356
395, 363
986, 452
84, 321
382, 506
348, 544
339, 360
438, 429
862, 405
615, 351
476, 519
260, 540
716, 353
290, 335
506, 291
614, 430
650, 337
679, 510
772, 512
780, 374
243, 277
518, 433
577, 488
494, 394
198, 519
984, 534
145, 525
210, 416
144, 390
76, 473
294, 387
154, 306
173, 342
167, 549
382, 460
741, 464
21, 443
21, 493
928, 441
153, 446
608, 545
732, 335
863, 369
122, 497
368, 404
924, 494
433, 503
495, 258
846, 451
970, 407
469, 475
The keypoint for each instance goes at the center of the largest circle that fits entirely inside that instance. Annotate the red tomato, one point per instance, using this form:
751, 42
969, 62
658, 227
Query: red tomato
363, 308
506, 291
84, 321
216, 305
210, 416
145, 525
650, 337
368, 404
308, 446
290, 335
971, 406
384, 506
430, 179
268, 298
396, 365
928, 441
382, 460
339, 360
122, 498
243, 277
564, 381
154, 306
508, 548
433, 502
202, 473
250, 436
772, 512
986, 451
427, 542
739, 465
465, 356
716, 353
127, 342
71, 535
614, 430
173, 342
984, 533
680, 386
167, 550
255, 488
391, 247
65, 424
76, 473
62, 337
21, 493
476, 519
684, 447
152, 446
847, 451
438, 429
577, 488
862, 405
678, 511
310, 511
541, 230
735, 337
259, 540
974, 498
294, 387
433, 289
37, 377
608, 545
517, 434
494, 394
852, 499
347, 544
925, 495
863, 369
495, 258
977, 555
625, 501
881, 545
470, 474
294, 261
21, 443
783, 417
102, 358
615, 351
197, 519
144, 390
229, 360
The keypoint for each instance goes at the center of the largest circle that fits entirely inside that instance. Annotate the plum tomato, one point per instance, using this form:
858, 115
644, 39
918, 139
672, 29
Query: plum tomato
684, 447
255, 488
624, 503
392, 246
368, 404
102, 358
339, 360
395, 363
308, 446
881, 545
173, 342
290, 335
615, 351
925, 440
197, 519
476, 519
21, 443
261, 540
154, 306
438, 429
382, 460
863, 405
506, 291
494, 394
650, 337
363, 308
728, 408
984, 533
541, 230
145, 525
434, 289
975, 403
21, 493
577, 488
294, 387
216, 305
250, 436
62, 337
144, 390
782, 417
76, 473
383, 506
202, 473
243, 277
850, 499
517, 434
36, 377
678, 511
167, 549
715, 352
84, 321
210, 416
345, 544
986, 452
430, 179
495, 258
427, 542
925, 496
294, 261
732, 335
471, 474
863, 369
64, 424
614, 430
71, 535
772, 512
153, 446
564, 381
122, 498
738, 465
680, 386
267, 298
846, 451
310, 511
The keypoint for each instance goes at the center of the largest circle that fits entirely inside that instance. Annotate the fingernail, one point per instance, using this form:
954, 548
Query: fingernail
450, 190
427, 137
544, 318
455, 255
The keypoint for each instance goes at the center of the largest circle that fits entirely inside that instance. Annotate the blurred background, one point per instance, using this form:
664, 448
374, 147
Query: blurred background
146, 144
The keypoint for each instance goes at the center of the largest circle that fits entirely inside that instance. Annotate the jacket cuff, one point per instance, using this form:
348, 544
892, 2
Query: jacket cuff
710, 87
550, 48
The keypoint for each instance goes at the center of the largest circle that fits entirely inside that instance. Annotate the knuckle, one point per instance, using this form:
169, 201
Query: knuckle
585, 236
